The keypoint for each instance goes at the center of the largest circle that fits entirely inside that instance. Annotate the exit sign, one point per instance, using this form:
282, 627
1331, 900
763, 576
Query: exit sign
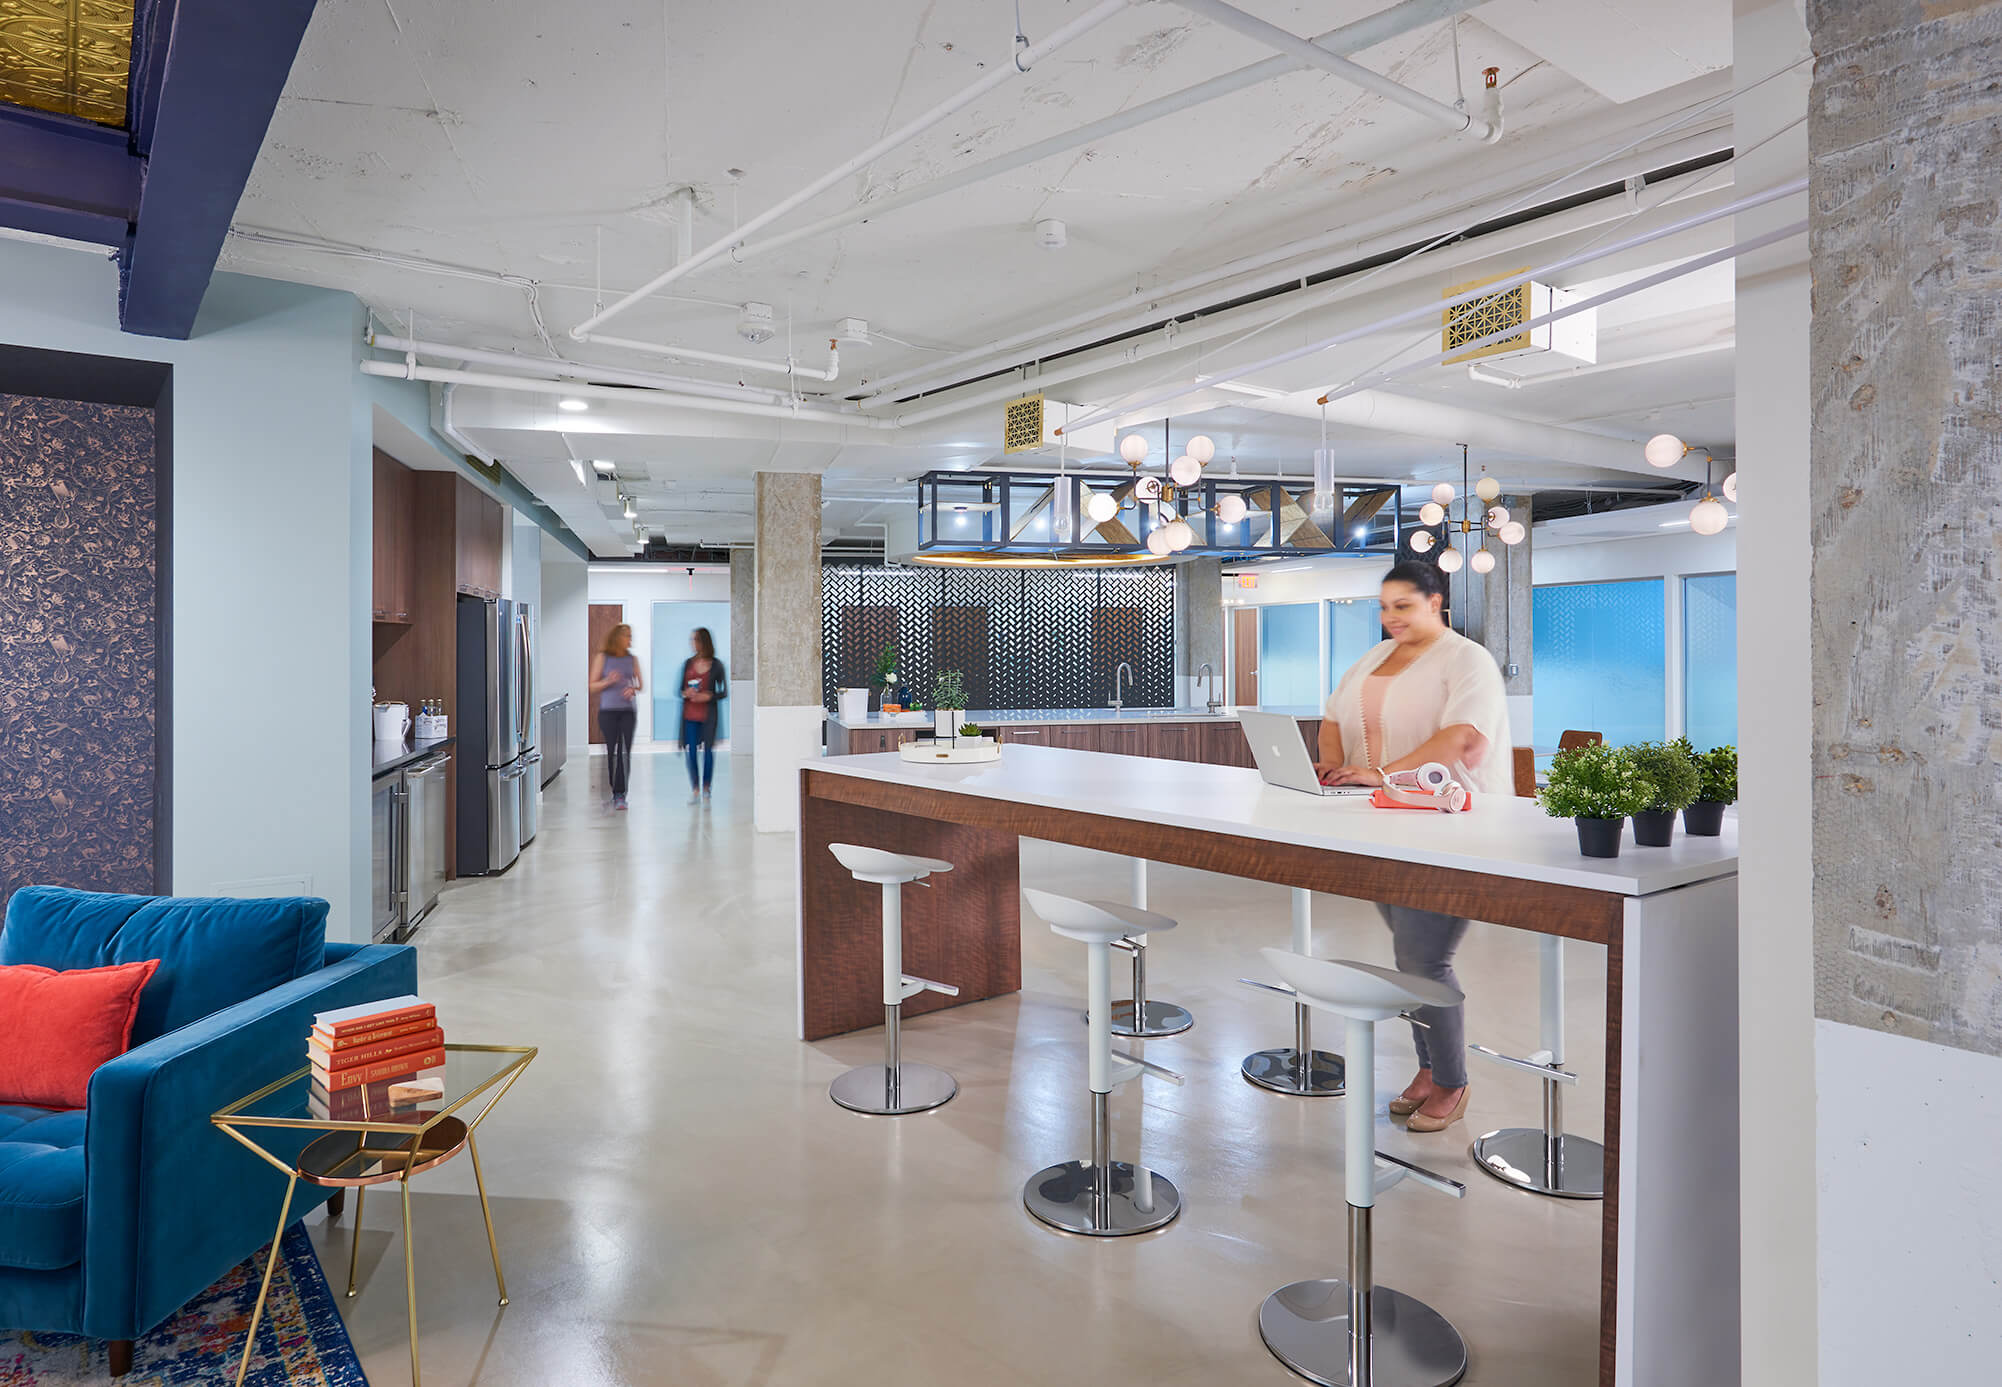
1247, 580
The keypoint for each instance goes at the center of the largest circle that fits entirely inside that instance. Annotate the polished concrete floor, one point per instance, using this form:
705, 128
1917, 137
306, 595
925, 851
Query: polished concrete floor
678, 1201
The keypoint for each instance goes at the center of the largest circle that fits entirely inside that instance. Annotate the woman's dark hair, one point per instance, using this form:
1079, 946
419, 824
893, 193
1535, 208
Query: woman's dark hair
705, 644
1426, 577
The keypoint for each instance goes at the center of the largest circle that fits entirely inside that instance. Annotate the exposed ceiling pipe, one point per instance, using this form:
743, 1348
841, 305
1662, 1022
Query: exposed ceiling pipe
1487, 127
1350, 38
1024, 59
943, 375
556, 366
788, 367
1430, 309
403, 370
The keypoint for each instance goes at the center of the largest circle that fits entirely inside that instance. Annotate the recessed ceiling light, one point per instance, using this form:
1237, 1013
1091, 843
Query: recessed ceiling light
604, 467
573, 404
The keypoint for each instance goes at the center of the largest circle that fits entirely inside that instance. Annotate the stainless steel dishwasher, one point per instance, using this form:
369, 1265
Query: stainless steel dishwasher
424, 839
385, 828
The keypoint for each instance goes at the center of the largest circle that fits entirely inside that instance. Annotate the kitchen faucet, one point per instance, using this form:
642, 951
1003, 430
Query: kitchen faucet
1214, 703
1126, 670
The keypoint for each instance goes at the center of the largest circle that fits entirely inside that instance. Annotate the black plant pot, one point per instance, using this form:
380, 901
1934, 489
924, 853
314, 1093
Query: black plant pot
1600, 837
1704, 819
1654, 828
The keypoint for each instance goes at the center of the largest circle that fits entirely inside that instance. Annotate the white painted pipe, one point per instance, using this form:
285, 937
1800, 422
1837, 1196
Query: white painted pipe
556, 366
1350, 38
1098, 1015
1332, 250
1284, 41
893, 944
1303, 922
1550, 948
998, 75
788, 367
1427, 310
530, 385
1359, 1115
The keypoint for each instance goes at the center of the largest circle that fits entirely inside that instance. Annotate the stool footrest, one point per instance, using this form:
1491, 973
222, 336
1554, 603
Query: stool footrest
1141, 1066
1546, 1072
914, 985
1400, 1169
1269, 987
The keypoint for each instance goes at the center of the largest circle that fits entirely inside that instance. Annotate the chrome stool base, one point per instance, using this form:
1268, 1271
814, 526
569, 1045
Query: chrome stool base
1281, 1071
1159, 1018
1306, 1325
872, 1088
1521, 1156
1066, 1197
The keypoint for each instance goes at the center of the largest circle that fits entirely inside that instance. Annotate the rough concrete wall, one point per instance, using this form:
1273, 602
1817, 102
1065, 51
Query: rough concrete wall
1905, 140
1199, 615
744, 614
1505, 603
788, 590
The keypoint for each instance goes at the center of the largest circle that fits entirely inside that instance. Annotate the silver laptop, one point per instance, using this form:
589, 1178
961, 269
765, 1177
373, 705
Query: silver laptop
1281, 754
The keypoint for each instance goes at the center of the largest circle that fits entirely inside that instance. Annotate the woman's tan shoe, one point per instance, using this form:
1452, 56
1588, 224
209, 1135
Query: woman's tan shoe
1404, 1107
1422, 1122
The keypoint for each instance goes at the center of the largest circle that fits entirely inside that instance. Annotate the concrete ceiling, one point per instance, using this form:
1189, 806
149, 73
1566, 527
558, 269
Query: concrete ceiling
482, 166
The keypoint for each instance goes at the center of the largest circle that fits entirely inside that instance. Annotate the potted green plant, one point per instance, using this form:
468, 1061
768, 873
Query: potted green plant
1716, 789
885, 678
1667, 767
1596, 787
948, 701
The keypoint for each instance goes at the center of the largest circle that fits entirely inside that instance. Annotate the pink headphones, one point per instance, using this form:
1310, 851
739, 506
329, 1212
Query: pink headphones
1431, 786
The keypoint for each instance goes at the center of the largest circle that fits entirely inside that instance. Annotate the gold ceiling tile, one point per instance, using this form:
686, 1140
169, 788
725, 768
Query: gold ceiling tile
73, 57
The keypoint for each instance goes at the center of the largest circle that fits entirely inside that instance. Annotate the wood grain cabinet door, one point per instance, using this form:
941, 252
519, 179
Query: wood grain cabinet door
1124, 739
1176, 741
1077, 736
1014, 733
1224, 744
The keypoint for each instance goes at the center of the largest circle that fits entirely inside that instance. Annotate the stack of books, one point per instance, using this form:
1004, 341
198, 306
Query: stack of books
375, 1059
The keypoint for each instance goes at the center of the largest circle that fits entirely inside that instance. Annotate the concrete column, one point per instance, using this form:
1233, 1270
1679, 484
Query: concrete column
1905, 464
743, 649
787, 642
1198, 628
1506, 613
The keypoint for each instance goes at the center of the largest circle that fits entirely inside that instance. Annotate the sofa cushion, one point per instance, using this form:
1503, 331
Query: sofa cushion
41, 1188
213, 953
57, 1028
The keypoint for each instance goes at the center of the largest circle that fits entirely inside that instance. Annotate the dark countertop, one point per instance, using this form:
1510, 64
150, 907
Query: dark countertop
394, 756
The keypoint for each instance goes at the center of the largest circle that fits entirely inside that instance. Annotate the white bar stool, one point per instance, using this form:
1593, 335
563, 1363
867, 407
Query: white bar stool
1141, 1019
1545, 1160
1355, 1333
1298, 1069
894, 1087
1102, 1197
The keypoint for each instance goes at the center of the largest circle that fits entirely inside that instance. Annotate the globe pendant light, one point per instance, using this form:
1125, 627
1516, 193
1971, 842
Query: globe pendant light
1450, 561
1422, 541
1157, 542
1708, 516
1230, 508
1444, 493
1482, 562
1148, 488
1181, 535
1185, 470
1664, 450
1514, 532
1487, 488
1201, 449
1431, 513
1134, 449
1731, 487
1497, 517
1100, 507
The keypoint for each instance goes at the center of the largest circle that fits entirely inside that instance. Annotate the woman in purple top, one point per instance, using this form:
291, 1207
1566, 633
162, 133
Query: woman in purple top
615, 679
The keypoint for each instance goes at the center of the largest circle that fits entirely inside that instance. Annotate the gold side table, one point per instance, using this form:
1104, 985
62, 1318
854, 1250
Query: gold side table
375, 1144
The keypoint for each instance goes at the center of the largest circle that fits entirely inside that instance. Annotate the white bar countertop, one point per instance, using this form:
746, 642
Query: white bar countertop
1500, 836
1056, 716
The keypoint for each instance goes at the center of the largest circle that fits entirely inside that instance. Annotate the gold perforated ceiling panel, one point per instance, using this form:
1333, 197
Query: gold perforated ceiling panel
68, 56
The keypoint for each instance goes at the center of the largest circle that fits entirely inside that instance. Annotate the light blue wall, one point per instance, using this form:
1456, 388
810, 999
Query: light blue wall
271, 574
1289, 654
1601, 661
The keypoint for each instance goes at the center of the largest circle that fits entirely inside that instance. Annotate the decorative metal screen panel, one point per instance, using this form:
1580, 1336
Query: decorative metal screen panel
72, 57
1023, 638
1022, 425
1478, 317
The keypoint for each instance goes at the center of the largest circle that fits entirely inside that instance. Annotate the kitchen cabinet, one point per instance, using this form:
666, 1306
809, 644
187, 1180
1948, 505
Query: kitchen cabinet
1126, 739
477, 536
1071, 736
1224, 745
394, 511
858, 741
1176, 741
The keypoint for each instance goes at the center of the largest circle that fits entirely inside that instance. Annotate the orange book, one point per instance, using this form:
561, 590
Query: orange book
372, 1016
360, 1038
323, 1058
359, 1074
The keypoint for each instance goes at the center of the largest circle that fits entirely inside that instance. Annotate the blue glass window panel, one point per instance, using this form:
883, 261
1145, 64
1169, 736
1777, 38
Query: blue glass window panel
1601, 661
1710, 659
673, 623
1289, 654
1353, 628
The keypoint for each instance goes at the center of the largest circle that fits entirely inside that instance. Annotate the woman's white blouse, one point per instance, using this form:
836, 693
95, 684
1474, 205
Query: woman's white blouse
1455, 681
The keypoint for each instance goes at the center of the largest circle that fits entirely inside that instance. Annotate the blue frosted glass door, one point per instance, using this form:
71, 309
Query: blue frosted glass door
1710, 659
1601, 661
1289, 655
673, 624
1354, 628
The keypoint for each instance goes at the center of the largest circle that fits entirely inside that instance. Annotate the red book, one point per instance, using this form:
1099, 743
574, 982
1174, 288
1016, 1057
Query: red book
396, 1068
360, 1038
331, 1061
370, 1102
372, 1016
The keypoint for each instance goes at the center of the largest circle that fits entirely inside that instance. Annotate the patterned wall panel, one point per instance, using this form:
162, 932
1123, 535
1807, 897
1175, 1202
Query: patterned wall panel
79, 656
1050, 640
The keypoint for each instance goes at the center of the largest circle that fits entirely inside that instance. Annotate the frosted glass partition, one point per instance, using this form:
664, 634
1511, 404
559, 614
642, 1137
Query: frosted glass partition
1710, 659
1601, 661
1289, 654
1354, 626
673, 624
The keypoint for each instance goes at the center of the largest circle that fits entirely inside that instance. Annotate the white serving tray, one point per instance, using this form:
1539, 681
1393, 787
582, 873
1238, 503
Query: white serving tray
965, 750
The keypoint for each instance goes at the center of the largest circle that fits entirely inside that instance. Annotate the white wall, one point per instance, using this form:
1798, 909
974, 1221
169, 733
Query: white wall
1652, 556
271, 532
565, 636
638, 586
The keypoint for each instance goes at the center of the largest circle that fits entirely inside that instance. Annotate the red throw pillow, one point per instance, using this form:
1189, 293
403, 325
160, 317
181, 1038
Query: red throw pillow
57, 1028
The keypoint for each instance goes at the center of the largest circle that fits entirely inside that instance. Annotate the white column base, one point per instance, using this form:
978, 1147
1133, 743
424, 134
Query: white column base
743, 716
785, 737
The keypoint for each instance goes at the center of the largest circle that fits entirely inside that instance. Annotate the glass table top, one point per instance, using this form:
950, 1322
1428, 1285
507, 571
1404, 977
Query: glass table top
471, 1073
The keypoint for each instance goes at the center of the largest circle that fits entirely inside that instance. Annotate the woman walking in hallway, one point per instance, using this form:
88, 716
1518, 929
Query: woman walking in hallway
616, 681
703, 687
1426, 694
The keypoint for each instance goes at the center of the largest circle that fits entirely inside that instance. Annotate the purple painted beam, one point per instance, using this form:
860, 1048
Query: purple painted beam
66, 177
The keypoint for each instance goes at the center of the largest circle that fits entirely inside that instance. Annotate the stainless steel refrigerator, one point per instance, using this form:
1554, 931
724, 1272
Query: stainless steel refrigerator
499, 786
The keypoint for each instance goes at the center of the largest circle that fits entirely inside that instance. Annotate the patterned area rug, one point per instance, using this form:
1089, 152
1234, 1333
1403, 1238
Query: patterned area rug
301, 1341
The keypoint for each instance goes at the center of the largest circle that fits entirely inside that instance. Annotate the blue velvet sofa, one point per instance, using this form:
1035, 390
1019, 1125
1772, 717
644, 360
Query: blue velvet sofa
114, 1217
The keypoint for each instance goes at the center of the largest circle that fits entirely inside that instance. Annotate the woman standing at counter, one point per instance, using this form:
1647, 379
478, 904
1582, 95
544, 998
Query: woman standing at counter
1426, 694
